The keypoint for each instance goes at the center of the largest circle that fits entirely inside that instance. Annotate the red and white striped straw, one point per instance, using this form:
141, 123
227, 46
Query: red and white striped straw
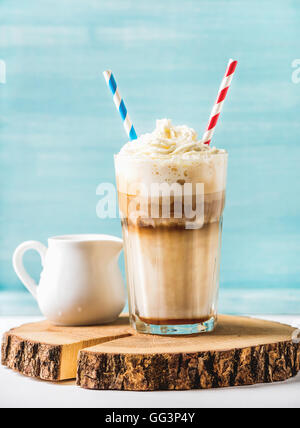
216, 111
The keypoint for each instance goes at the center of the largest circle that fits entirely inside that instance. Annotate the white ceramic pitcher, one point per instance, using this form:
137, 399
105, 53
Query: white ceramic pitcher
81, 283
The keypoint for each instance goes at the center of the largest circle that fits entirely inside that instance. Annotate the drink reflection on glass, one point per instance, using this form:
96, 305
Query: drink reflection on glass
171, 196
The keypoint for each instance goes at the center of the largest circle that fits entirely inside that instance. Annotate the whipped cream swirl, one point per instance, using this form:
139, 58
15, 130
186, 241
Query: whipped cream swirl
168, 141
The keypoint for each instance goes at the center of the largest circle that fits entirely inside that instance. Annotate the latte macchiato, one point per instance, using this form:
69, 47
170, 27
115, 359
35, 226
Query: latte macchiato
171, 197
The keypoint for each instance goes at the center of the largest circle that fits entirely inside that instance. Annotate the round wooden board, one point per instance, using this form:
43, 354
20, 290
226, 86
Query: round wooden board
241, 351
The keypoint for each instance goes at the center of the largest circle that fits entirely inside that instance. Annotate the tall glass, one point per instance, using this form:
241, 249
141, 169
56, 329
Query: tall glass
171, 213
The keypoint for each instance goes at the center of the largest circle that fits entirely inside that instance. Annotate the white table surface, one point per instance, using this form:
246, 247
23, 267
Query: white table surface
19, 391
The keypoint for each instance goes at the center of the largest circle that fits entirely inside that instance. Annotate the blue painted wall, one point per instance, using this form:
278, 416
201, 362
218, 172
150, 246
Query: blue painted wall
59, 129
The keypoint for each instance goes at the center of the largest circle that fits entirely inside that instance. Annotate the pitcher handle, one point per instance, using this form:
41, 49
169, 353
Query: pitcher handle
18, 264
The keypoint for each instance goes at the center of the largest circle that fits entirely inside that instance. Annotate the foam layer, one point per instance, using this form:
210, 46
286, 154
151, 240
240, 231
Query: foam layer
170, 154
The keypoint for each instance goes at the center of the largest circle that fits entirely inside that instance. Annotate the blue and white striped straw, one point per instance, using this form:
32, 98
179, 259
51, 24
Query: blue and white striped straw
111, 83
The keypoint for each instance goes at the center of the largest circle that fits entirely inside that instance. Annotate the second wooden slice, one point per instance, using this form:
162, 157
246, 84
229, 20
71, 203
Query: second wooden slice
241, 351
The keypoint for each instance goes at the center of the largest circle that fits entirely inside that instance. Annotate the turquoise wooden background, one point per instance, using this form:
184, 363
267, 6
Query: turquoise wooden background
59, 129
